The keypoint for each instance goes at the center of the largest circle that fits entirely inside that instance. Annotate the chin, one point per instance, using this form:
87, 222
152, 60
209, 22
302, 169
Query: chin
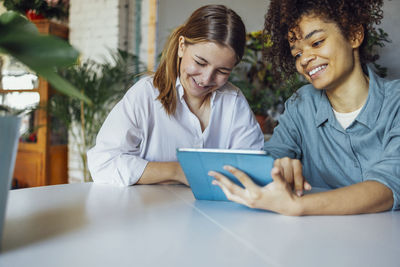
317, 86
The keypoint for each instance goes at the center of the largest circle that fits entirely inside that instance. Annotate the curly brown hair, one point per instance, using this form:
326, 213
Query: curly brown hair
284, 15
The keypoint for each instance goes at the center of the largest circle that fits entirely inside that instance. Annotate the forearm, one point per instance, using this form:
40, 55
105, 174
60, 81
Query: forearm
159, 172
365, 197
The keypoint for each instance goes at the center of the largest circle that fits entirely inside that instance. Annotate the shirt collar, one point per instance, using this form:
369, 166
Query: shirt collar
179, 89
369, 114
370, 111
324, 109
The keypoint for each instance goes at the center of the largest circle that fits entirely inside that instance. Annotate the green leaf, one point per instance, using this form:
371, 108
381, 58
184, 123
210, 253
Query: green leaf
41, 53
62, 85
17, 21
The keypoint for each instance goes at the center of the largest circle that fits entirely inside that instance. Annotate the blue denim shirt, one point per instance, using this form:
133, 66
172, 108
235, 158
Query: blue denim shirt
369, 149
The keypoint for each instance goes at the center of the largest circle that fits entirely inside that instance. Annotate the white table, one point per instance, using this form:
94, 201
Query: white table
162, 225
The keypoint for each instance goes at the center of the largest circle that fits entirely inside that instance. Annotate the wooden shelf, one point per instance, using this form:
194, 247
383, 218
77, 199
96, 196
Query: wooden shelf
25, 146
42, 163
19, 91
48, 27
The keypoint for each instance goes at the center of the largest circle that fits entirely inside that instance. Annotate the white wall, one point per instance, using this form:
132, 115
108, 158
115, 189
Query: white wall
94, 29
97, 26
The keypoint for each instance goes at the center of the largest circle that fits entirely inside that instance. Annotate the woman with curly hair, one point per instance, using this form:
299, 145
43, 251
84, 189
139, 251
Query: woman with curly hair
341, 132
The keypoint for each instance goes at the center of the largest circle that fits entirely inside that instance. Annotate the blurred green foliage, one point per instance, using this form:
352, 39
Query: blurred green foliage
43, 54
105, 84
255, 78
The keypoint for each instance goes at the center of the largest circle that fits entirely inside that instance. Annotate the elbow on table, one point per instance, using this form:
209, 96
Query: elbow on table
104, 170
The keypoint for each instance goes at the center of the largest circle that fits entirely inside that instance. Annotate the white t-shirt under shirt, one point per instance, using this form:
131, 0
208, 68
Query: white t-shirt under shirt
345, 119
138, 130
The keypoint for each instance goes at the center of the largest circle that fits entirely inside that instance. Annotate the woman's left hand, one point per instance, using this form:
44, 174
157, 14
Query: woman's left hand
276, 196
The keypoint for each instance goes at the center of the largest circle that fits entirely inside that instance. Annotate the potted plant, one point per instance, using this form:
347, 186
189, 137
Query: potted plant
255, 77
20, 39
105, 84
377, 38
9, 128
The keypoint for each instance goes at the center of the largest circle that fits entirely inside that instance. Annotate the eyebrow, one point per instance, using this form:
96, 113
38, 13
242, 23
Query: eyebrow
308, 36
203, 59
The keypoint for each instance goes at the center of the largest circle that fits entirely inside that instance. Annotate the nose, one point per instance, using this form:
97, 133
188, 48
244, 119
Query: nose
208, 77
306, 57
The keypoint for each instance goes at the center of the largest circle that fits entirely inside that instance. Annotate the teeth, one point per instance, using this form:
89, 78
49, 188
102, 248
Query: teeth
198, 83
316, 70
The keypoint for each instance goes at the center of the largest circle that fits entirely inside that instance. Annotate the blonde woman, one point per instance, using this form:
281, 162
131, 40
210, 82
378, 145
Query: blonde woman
188, 102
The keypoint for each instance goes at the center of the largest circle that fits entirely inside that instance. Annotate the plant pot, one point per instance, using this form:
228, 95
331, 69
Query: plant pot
266, 123
9, 133
32, 15
261, 121
269, 125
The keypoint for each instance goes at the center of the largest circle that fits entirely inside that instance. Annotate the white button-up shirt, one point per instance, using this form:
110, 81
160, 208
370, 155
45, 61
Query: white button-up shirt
138, 130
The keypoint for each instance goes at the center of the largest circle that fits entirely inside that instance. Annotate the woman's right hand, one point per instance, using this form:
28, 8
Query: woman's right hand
292, 171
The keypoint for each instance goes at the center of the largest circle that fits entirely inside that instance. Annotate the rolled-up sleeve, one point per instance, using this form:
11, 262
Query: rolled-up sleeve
386, 170
115, 159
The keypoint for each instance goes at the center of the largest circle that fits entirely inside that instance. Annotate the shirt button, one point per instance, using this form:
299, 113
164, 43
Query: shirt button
198, 143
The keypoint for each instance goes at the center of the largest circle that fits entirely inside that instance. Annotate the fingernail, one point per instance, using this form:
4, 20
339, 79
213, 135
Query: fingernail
299, 193
227, 167
214, 182
211, 173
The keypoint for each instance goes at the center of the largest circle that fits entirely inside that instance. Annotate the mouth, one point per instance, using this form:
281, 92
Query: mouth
200, 86
317, 71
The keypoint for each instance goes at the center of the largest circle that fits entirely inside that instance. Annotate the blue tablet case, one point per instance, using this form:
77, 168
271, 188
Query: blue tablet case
196, 163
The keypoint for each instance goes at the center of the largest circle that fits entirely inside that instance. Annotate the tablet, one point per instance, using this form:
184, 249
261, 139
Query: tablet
196, 163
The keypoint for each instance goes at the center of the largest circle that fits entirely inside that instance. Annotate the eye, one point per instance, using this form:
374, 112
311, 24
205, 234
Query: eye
199, 63
297, 56
224, 72
317, 43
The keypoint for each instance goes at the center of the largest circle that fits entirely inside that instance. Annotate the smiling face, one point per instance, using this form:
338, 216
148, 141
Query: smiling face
323, 55
204, 67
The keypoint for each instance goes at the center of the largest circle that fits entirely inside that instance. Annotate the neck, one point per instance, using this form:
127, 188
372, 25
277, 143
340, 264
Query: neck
351, 94
200, 108
197, 104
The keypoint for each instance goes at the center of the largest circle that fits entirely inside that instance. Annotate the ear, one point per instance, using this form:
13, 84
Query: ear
357, 36
181, 46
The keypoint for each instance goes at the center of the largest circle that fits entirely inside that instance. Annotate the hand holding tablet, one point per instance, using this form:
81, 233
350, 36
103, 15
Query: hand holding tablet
196, 163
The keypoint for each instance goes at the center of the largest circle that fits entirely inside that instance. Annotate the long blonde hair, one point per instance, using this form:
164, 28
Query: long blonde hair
211, 23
